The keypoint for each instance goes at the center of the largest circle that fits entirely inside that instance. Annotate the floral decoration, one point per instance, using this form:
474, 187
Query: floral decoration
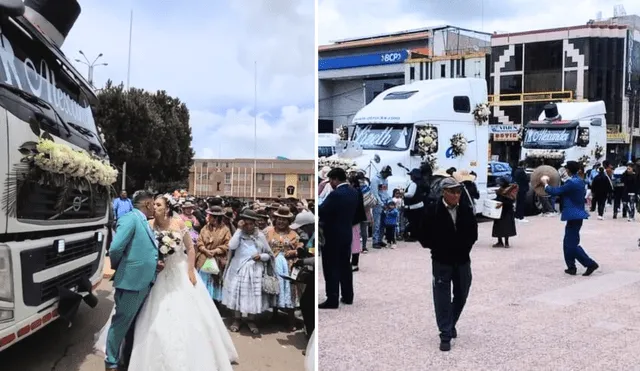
427, 140
168, 242
481, 113
346, 164
343, 132
520, 133
432, 161
584, 160
458, 145
60, 168
598, 152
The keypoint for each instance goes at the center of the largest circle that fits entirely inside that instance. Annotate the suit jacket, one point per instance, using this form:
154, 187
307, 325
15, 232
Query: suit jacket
450, 242
573, 194
361, 214
337, 214
133, 253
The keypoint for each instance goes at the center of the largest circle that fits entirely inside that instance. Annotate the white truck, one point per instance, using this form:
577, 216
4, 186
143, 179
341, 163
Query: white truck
52, 232
327, 144
574, 131
385, 131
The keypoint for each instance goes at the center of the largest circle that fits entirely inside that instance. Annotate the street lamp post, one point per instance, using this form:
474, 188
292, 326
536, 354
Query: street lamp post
90, 65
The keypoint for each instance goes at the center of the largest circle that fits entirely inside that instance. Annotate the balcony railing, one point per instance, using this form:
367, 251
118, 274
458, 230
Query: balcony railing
519, 99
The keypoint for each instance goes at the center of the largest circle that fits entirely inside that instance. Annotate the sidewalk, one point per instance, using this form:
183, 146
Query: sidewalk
523, 312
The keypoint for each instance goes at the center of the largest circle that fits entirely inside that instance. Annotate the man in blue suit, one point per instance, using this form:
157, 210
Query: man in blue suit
337, 214
573, 212
134, 256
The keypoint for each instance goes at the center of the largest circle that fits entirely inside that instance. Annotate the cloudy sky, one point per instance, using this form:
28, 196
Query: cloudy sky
338, 19
204, 54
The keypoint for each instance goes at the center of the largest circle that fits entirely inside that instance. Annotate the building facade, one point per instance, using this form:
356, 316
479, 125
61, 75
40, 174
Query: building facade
269, 179
353, 72
582, 63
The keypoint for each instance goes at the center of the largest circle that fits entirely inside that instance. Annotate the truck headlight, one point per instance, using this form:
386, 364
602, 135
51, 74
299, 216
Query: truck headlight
6, 274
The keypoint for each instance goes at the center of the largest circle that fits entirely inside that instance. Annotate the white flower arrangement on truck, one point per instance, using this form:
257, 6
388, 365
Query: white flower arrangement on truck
458, 145
481, 113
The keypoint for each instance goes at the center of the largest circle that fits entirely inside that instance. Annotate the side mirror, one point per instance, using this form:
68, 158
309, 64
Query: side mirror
583, 137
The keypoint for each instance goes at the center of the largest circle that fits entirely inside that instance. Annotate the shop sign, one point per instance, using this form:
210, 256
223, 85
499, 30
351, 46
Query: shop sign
617, 138
505, 137
494, 129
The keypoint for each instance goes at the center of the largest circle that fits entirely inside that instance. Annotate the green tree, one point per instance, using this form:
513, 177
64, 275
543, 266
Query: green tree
148, 131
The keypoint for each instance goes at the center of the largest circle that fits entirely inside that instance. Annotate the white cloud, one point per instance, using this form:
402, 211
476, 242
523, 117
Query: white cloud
345, 19
231, 135
204, 54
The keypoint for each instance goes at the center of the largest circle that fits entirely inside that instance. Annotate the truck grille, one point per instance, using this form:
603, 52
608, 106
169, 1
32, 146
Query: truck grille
38, 202
72, 251
49, 289
39, 259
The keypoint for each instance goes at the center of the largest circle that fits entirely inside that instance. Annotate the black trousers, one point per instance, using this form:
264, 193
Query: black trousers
390, 233
520, 202
448, 310
414, 216
599, 202
618, 192
338, 276
308, 306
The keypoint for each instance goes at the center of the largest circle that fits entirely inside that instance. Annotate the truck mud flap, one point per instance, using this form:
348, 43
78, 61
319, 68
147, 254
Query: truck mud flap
70, 300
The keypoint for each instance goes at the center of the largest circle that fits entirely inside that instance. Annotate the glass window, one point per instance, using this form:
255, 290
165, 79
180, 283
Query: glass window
461, 104
549, 138
443, 70
303, 178
400, 95
511, 84
227, 178
278, 177
571, 81
390, 137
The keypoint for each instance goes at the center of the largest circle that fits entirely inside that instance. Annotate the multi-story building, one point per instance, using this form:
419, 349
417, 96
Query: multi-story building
268, 179
591, 62
352, 72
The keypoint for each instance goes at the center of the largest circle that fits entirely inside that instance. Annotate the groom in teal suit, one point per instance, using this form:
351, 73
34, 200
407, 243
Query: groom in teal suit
134, 256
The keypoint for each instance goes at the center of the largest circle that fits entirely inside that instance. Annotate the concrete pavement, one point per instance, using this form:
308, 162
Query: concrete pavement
523, 312
58, 348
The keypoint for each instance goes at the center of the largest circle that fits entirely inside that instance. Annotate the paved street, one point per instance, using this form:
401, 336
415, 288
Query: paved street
523, 313
56, 348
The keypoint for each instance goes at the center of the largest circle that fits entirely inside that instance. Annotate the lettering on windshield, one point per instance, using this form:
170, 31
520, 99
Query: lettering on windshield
396, 137
40, 81
546, 135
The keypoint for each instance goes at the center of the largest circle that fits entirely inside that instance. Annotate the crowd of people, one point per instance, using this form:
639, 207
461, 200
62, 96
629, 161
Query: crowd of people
251, 258
438, 209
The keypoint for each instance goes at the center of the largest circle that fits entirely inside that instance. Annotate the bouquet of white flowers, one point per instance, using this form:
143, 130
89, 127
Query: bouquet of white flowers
458, 145
481, 113
168, 242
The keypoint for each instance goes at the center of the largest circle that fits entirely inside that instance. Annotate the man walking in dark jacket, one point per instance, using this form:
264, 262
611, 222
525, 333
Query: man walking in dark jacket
450, 231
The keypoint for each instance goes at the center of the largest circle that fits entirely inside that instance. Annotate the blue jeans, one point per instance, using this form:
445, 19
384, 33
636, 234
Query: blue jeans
571, 246
377, 224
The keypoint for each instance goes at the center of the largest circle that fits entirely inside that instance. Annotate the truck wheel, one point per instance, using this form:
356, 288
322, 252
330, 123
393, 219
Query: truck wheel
532, 205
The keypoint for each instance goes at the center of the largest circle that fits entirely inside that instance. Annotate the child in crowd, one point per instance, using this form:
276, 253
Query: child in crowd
398, 199
391, 216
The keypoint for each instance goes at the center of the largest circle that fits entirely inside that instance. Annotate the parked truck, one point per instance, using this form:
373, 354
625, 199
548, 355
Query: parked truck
52, 228
387, 131
574, 131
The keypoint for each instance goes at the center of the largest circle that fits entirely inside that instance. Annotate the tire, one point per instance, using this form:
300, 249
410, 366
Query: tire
532, 205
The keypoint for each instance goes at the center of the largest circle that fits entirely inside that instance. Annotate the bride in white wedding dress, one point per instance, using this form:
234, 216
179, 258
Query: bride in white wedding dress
179, 327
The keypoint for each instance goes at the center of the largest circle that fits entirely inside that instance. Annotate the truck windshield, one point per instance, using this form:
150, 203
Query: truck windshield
389, 137
31, 66
544, 138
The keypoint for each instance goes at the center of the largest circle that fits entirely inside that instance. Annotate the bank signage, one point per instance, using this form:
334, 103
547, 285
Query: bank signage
500, 129
363, 60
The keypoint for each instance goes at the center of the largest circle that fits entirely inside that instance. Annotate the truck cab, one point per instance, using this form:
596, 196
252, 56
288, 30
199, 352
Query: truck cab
52, 226
574, 131
387, 130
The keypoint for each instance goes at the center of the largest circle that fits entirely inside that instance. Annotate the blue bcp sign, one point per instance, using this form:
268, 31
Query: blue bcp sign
363, 60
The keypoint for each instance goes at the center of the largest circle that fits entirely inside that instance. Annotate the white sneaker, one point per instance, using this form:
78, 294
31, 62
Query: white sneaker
394, 246
523, 220
600, 218
629, 220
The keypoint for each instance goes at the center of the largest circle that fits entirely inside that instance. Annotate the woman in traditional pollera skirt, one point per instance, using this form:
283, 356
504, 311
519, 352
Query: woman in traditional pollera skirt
284, 243
213, 243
